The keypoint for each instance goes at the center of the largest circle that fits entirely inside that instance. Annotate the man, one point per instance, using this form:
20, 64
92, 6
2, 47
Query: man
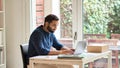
42, 39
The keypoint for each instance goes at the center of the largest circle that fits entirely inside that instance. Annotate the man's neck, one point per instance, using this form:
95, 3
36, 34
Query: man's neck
45, 29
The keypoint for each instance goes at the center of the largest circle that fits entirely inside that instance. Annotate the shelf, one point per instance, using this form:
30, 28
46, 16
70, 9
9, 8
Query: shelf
1, 11
2, 65
2, 35
1, 46
1, 29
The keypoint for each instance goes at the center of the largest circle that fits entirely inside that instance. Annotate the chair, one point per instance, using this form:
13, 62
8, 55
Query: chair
24, 52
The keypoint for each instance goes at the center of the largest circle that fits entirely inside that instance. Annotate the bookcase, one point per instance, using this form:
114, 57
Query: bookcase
2, 35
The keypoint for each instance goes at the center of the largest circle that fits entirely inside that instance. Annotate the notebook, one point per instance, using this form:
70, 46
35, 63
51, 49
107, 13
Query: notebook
80, 48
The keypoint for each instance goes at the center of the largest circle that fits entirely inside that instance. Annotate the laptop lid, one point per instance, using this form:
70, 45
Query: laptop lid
80, 48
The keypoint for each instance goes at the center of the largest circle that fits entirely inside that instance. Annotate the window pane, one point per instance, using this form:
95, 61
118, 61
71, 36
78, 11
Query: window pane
101, 17
66, 18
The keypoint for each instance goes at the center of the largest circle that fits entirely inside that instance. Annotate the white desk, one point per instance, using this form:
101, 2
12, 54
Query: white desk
90, 57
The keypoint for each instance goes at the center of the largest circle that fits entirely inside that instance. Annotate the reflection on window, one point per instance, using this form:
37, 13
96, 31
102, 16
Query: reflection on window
66, 18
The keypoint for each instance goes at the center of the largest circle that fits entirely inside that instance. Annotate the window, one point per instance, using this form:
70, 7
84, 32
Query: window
101, 17
66, 18
79, 16
63, 9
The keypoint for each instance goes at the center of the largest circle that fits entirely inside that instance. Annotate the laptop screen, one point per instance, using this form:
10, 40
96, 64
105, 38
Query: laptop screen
80, 48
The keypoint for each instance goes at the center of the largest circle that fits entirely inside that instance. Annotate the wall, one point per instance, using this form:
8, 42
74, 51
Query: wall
17, 30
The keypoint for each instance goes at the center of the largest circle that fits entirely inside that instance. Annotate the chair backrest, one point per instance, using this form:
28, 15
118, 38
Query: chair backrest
24, 52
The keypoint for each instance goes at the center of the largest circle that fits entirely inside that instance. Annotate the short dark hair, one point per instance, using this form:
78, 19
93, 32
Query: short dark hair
49, 18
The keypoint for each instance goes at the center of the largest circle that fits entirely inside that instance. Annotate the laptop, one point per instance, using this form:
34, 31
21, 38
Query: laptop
80, 48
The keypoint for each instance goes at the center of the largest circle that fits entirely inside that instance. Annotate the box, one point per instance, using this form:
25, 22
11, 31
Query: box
97, 48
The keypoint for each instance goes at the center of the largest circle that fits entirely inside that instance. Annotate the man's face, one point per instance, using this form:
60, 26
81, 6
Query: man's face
52, 26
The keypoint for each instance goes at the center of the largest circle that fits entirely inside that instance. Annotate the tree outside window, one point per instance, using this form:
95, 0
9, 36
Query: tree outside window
66, 18
101, 16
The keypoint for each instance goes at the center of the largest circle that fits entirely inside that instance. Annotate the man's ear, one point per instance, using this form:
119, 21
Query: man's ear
46, 23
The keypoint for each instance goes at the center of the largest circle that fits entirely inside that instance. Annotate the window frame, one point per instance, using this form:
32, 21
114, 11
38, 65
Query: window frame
77, 21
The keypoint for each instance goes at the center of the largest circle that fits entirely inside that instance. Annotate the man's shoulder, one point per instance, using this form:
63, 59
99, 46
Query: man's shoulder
36, 32
38, 29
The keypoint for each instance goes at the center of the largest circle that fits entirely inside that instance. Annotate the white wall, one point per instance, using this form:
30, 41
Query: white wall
17, 30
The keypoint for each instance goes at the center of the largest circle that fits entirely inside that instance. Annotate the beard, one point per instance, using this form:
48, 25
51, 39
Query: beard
50, 29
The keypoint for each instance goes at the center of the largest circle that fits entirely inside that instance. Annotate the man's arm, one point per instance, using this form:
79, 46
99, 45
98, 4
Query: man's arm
56, 52
67, 48
60, 49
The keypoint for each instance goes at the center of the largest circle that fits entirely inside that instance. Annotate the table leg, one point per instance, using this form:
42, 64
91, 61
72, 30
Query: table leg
31, 65
110, 60
90, 65
82, 66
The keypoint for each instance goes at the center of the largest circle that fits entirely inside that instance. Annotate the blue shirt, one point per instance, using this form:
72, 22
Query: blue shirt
40, 42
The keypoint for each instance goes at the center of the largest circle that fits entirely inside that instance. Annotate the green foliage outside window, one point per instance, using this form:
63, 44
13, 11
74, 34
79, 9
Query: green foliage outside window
114, 25
101, 16
66, 18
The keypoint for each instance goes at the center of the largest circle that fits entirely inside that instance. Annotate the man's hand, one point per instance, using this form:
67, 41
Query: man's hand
66, 52
72, 49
